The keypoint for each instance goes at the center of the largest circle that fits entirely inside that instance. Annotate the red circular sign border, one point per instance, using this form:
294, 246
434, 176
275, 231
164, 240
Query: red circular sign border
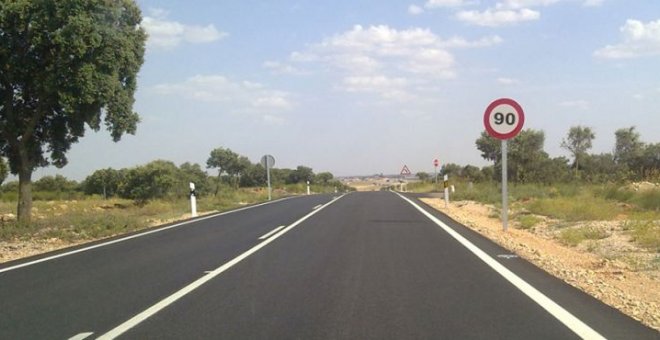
516, 106
436, 163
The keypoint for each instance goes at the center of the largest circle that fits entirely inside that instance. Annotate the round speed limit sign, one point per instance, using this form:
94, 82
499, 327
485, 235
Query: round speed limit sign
504, 118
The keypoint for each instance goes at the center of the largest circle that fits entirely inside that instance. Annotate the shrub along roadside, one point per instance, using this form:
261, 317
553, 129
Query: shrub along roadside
94, 217
639, 211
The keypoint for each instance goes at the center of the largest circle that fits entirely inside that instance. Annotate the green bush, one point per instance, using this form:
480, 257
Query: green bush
584, 208
528, 221
574, 236
646, 233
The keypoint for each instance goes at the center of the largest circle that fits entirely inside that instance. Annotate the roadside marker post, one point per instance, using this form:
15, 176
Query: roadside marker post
268, 161
308, 193
193, 200
436, 162
503, 119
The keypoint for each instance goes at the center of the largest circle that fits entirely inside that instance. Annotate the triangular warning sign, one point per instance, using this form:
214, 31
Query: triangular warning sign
405, 171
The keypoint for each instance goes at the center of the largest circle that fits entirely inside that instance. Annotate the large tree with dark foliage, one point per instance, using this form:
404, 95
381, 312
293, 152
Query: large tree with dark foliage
64, 65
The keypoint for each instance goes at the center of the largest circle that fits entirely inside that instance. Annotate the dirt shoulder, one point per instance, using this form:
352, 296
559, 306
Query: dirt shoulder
615, 282
18, 249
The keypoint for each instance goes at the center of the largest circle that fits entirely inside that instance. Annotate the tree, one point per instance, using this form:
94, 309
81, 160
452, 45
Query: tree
451, 170
224, 160
324, 178
150, 181
628, 148
651, 160
3, 170
57, 183
64, 64
472, 173
423, 176
192, 173
301, 174
104, 182
524, 156
603, 168
577, 143
239, 168
254, 176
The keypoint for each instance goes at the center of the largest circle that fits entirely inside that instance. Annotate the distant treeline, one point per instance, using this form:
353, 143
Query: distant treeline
631, 159
164, 179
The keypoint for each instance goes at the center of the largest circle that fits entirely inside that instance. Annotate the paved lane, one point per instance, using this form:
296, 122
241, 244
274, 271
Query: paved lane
97, 289
371, 266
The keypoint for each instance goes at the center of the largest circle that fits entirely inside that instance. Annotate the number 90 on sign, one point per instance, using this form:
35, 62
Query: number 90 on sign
504, 118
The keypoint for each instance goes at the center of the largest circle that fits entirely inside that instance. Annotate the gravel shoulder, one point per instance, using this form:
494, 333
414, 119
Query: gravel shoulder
596, 268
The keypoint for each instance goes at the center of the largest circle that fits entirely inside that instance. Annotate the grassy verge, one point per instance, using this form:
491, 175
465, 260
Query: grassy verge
93, 217
639, 211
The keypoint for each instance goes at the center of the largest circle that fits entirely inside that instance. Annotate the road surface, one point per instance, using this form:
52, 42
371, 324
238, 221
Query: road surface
358, 266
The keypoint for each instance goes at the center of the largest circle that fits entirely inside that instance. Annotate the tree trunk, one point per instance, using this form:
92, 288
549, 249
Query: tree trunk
24, 197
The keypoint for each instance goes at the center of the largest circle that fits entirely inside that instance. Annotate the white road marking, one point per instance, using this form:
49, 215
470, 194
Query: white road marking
137, 319
267, 235
81, 336
318, 206
507, 256
569, 320
133, 236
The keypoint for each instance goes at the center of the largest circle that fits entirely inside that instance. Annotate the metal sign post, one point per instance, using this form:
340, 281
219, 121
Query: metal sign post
268, 161
505, 189
503, 119
446, 185
436, 162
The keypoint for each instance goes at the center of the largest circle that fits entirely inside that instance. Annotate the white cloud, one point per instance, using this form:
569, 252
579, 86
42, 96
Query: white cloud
579, 104
380, 59
239, 97
508, 81
164, 33
592, 3
445, 3
280, 68
520, 4
498, 17
463, 43
639, 39
415, 10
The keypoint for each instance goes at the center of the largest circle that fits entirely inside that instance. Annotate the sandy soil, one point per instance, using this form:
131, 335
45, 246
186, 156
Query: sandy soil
588, 266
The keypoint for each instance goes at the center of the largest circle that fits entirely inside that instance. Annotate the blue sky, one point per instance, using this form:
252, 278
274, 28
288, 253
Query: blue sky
364, 87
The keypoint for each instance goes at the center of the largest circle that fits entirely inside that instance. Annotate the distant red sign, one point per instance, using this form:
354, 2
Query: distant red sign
405, 171
436, 163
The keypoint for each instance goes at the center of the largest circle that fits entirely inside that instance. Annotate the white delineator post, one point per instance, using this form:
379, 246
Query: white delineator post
446, 185
308, 192
193, 200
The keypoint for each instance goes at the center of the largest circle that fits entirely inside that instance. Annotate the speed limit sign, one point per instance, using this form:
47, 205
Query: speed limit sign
504, 118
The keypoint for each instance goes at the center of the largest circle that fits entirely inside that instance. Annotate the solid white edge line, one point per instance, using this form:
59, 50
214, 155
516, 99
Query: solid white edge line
81, 336
569, 320
140, 234
137, 319
267, 235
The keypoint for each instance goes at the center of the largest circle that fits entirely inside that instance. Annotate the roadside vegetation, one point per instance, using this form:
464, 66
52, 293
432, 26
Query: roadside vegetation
111, 202
622, 188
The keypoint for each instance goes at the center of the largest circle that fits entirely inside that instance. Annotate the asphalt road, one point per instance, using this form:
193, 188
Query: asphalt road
360, 266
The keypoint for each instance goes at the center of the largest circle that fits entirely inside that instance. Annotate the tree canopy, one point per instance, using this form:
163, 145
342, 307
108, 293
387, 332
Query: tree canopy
577, 142
66, 65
